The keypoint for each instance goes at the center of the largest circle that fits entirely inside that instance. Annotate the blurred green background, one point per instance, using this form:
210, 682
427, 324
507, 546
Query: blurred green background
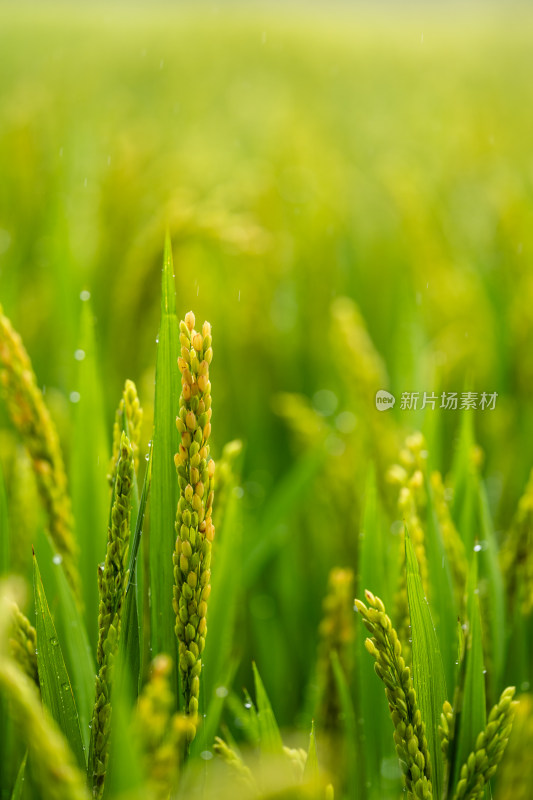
297, 155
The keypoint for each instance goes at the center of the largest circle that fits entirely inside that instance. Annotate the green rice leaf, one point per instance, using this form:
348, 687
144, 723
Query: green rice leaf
311, 764
469, 701
442, 595
90, 491
493, 596
428, 671
56, 689
354, 777
130, 640
223, 602
18, 788
76, 651
464, 479
270, 740
125, 775
165, 484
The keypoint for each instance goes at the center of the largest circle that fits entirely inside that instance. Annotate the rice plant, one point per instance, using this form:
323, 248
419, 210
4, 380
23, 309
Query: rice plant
165, 720
342, 608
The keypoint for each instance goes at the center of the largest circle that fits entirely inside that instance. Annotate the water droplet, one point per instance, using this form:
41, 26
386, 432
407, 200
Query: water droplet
247, 704
221, 691
79, 355
53, 641
207, 755
147, 457
85, 295
57, 559
75, 397
65, 686
477, 548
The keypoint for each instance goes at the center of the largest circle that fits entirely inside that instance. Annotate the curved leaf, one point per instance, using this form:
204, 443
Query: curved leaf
56, 689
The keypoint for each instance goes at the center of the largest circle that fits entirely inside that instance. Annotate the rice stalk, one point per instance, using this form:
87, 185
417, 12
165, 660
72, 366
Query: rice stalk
242, 773
409, 729
515, 776
53, 766
129, 411
161, 735
226, 476
516, 554
336, 633
409, 477
112, 586
31, 418
482, 763
194, 526
23, 643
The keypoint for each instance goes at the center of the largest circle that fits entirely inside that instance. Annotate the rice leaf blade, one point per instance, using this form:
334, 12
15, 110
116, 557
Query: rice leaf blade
77, 651
130, 641
464, 504
428, 671
223, 601
270, 740
494, 597
56, 688
18, 788
165, 484
442, 595
90, 492
470, 701
353, 778
311, 764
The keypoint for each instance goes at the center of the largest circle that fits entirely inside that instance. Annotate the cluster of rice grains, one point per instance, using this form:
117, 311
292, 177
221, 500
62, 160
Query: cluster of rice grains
194, 526
409, 727
112, 588
31, 418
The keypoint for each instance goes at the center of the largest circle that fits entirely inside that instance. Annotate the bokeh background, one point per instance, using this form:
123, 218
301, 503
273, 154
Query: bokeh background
348, 192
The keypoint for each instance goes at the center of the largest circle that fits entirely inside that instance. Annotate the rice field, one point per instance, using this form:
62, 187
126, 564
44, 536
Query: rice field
266, 495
